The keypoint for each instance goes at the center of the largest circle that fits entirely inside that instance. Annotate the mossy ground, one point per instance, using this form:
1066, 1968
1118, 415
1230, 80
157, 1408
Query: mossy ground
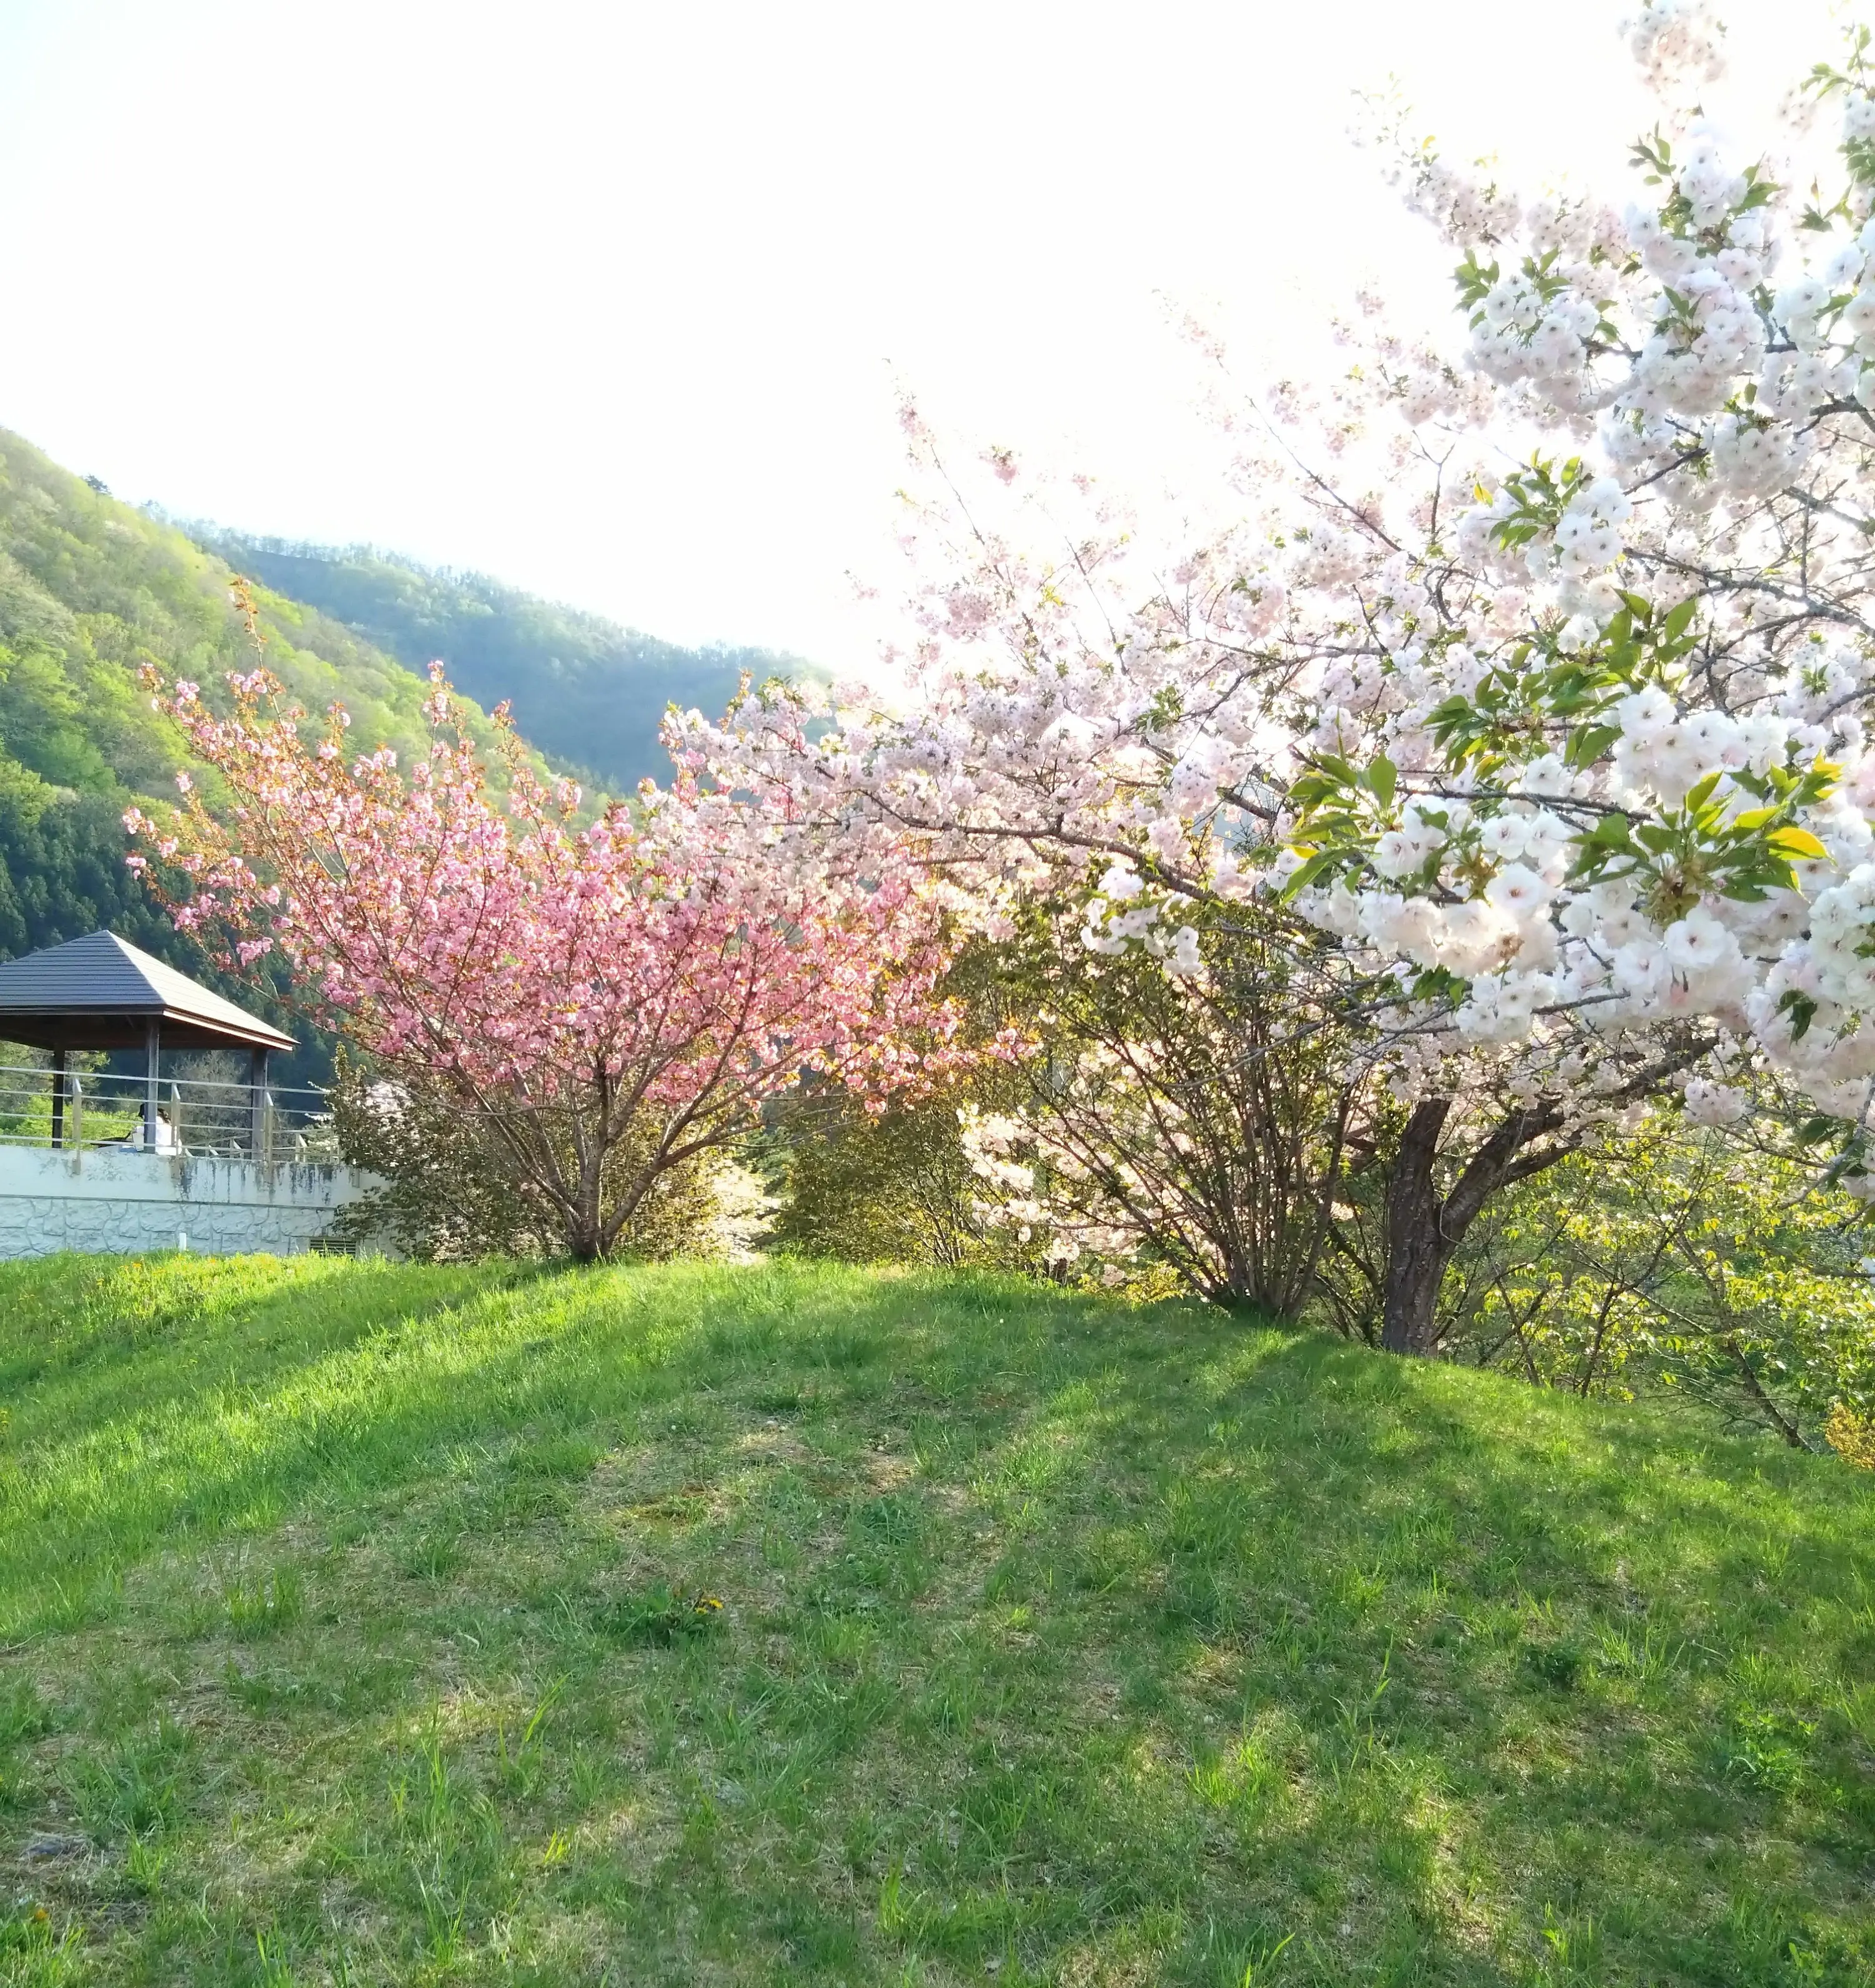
350, 1634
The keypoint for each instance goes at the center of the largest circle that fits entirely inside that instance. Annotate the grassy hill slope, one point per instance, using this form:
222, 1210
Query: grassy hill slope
349, 1634
583, 689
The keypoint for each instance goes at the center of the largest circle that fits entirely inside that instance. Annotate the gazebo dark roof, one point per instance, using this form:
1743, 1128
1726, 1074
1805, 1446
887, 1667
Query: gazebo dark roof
99, 993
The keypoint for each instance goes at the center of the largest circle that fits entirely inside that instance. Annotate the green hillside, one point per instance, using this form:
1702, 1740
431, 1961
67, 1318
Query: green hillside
89, 588
357, 1624
583, 688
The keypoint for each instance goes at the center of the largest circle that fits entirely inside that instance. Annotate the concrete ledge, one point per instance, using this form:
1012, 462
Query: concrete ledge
127, 1201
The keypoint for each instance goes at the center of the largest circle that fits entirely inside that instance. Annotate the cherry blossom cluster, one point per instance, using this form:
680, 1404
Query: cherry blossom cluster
1534, 668
682, 957
1037, 1186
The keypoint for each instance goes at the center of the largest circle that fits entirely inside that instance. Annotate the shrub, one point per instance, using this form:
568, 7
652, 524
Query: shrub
447, 1194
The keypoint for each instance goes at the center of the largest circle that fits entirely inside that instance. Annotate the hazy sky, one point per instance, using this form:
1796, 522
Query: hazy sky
610, 300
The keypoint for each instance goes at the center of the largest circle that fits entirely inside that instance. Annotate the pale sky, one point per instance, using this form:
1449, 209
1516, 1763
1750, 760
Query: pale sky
610, 300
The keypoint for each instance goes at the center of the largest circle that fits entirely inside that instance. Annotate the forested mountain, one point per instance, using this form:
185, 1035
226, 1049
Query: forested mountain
89, 589
583, 688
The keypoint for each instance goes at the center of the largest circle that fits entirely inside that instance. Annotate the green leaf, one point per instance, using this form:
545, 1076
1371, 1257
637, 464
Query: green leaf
1437, 982
1795, 842
1701, 793
1802, 1011
1308, 872
1382, 777
1613, 831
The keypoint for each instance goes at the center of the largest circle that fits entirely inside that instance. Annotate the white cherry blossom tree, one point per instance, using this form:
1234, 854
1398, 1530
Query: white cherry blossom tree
1532, 666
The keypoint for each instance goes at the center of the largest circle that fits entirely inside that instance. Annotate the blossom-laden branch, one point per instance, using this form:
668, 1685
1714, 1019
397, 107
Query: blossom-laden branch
1534, 670
638, 985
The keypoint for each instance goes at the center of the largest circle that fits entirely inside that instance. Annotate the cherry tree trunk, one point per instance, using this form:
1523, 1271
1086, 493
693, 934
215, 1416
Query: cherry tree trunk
1425, 1229
1418, 1251
586, 1232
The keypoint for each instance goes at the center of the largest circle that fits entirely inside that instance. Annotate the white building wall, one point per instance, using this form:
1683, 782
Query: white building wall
124, 1202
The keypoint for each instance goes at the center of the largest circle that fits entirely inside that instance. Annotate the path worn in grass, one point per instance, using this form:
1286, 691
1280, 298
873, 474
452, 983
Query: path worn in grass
350, 1636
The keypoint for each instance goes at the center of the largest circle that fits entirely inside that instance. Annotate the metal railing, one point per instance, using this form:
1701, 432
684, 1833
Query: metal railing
99, 1110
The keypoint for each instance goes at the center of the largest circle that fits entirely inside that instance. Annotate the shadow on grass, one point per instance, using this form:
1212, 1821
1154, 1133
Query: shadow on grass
1057, 1632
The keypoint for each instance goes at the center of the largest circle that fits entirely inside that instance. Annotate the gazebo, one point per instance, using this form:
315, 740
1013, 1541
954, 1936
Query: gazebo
99, 993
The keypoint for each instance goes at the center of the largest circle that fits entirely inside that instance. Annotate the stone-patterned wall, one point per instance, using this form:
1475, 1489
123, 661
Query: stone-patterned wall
123, 1202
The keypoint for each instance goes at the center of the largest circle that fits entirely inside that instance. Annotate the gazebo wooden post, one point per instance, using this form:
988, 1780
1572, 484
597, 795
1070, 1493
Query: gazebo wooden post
58, 1098
152, 1041
257, 1098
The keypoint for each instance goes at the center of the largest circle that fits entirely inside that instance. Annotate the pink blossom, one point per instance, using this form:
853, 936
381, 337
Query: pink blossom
659, 973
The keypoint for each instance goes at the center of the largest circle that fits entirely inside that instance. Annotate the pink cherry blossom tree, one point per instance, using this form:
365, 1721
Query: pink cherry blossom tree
606, 1001
1532, 666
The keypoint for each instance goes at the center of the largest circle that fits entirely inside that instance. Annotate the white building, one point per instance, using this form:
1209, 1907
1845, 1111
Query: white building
94, 1161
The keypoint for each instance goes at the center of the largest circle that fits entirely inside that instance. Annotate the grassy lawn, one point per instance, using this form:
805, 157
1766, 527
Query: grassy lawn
348, 1634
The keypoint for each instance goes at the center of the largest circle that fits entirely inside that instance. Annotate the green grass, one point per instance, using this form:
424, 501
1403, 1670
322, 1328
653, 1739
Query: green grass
349, 1632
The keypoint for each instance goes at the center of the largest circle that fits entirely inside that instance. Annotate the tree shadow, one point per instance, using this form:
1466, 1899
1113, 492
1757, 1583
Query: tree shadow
1335, 1639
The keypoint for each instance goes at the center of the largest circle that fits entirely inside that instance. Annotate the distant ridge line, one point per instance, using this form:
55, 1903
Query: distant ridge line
586, 690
